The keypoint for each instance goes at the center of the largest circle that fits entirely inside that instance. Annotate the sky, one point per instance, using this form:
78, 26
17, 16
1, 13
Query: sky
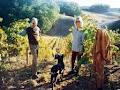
111, 3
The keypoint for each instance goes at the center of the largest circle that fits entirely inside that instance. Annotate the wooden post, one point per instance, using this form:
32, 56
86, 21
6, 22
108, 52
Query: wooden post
0, 58
27, 56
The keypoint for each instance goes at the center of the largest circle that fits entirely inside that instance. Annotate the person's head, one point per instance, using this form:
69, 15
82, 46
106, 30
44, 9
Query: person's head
58, 50
34, 22
79, 22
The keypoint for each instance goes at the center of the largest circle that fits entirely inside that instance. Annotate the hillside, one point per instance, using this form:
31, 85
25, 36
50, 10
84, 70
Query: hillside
62, 26
114, 25
102, 18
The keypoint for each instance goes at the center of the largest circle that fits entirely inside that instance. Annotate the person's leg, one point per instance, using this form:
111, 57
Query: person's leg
78, 64
34, 50
79, 55
74, 54
34, 64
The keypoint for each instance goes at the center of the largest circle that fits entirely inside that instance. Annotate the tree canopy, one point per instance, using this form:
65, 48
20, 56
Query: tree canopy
69, 8
47, 13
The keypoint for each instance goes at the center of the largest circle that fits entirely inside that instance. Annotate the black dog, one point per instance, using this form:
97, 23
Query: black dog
57, 69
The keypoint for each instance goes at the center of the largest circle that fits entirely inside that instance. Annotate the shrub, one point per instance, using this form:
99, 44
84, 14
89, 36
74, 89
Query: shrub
3, 44
16, 43
70, 8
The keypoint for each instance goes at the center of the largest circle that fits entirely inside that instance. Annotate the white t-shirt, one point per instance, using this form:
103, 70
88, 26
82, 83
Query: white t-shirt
78, 39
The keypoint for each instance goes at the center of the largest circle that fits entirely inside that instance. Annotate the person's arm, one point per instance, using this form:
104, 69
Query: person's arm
23, 33
37, 33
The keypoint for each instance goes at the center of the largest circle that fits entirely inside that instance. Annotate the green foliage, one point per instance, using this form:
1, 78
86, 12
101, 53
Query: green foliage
16, 43
4, 69
99, 8
90, 31
115, 39
47, 13
70, 8
45, 51
3, 44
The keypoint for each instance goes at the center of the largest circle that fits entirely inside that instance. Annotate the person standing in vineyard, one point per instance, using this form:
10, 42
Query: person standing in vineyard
33, 33
77, 43
101, 53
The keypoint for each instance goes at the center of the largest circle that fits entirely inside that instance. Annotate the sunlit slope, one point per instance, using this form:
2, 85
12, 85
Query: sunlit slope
102, 18
62, 26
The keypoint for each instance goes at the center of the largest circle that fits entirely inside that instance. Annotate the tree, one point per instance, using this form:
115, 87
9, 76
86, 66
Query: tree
47, 13
12, 10
69, 8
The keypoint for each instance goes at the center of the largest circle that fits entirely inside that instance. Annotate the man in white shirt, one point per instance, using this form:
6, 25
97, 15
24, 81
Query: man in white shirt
77, 43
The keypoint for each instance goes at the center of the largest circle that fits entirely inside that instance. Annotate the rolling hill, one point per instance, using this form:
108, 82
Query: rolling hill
62, 26
64, 23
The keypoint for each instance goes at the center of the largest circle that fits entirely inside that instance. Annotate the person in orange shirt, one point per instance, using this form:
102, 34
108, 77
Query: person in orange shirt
101, 54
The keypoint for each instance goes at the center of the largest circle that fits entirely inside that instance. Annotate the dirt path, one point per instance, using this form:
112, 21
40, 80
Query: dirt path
20, 79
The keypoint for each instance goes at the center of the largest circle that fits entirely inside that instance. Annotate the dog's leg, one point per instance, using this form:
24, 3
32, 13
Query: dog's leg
61, 75
51, 82
55, 80
51, 78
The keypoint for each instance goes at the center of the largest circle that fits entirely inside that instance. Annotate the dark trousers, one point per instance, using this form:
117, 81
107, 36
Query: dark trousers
75, 55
